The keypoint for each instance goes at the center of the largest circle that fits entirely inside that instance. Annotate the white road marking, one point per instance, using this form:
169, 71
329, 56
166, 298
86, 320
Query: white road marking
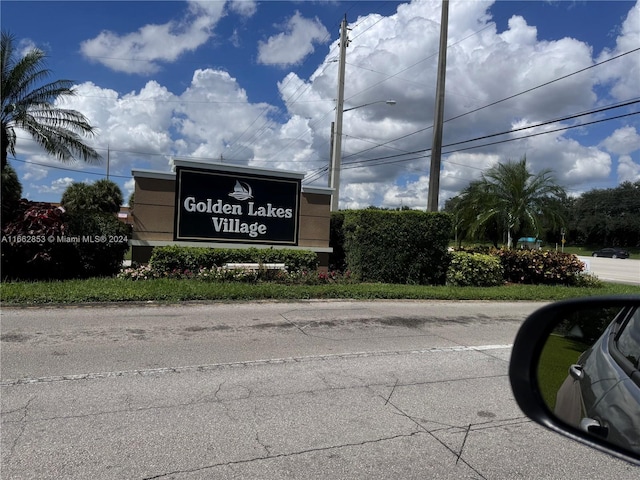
248, 363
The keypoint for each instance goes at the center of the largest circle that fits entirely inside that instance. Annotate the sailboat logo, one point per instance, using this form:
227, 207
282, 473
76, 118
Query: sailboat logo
241, 191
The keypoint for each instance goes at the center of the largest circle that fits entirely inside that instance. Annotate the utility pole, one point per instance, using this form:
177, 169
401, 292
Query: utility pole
108, 160
436, 146
336, 152
331, 155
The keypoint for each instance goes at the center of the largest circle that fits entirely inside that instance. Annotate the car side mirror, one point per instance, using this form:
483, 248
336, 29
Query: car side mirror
575, 370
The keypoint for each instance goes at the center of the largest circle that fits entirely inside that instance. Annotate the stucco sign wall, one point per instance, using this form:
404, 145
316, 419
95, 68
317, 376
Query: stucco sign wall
225, 206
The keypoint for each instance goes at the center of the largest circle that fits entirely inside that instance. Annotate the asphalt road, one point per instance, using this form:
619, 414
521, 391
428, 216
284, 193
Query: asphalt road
331, 390
614, 269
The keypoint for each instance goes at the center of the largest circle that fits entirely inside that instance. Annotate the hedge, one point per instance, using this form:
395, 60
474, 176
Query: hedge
174, 257
337, 258
104, 256
407, 246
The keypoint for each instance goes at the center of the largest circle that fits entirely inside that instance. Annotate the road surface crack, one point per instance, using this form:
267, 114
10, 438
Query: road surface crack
263, 445
285, 455
392, 390
23, 425
458, 455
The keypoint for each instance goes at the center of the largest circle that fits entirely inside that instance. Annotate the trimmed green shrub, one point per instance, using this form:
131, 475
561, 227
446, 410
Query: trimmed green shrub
177, 258
540, 267
397, 246
105, 241
337, 259
474, 270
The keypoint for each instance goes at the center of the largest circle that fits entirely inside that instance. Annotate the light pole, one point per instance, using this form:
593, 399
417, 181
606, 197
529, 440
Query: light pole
336, 149
388, 102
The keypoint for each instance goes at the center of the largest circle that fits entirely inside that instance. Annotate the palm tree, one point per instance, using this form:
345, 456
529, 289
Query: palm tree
511, 197
470, 206
79, 197
29, 105
103, 196
107, 196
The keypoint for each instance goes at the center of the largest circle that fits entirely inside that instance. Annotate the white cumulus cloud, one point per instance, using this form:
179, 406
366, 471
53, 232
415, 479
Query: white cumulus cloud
385, 149
57, 186
623, 141
628, 169
142, 51
295, 43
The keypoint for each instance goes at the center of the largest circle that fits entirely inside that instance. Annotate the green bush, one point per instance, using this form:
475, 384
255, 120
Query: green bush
46, 243
588, 280
397, 246
337, 259
540, 267
30, 250
177, 258
474, 270
10, 196
104, 243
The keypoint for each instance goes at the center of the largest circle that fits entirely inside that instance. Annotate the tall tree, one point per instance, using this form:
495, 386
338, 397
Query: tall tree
30, 104
604, 217
513, 199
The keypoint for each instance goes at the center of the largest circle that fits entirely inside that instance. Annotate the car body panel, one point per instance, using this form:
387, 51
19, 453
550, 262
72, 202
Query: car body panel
603, 394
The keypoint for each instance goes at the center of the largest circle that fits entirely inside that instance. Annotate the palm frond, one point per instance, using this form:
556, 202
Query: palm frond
30, 104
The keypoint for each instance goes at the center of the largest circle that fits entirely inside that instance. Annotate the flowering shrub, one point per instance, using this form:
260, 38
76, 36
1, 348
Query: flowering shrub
144, 272
540, 267
246, 275
588, 280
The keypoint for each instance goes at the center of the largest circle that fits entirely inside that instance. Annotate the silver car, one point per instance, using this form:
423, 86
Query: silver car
601, 394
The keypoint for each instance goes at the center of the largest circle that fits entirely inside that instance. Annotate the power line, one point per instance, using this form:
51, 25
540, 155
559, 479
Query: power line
361, 163
263, 127
545, 84
367, 163
498, 101
55, 167
319, 172
506, 132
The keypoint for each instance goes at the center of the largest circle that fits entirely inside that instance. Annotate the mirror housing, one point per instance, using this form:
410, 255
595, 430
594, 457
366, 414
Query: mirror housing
524, 372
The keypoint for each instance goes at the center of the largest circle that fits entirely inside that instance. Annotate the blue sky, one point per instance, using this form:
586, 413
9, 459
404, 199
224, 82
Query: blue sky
255, 83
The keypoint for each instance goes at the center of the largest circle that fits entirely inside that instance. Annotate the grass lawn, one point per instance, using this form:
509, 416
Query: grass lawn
175, 290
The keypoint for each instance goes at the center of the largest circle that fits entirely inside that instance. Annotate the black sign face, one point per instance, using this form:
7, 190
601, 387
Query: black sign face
225, 206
